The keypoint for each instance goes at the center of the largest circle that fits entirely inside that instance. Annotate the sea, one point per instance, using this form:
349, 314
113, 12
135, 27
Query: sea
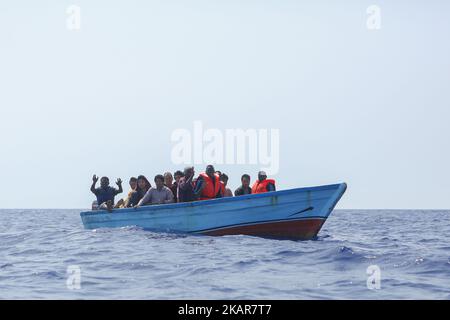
358, 254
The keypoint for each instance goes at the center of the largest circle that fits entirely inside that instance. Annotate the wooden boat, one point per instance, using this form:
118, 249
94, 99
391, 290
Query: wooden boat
288, 214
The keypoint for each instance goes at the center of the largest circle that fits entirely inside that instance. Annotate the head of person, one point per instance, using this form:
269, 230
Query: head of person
159, 181
224, 179
210, 170
178, 175
168, 179
104, 182
219, 173
262, 176
189, 172
143, 183
133, 183
245, 180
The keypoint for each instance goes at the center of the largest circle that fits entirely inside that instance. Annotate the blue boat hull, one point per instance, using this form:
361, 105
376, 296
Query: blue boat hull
288, 214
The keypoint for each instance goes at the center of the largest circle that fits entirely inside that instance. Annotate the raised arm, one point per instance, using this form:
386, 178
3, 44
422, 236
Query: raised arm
94, 181
119, 184
189, 180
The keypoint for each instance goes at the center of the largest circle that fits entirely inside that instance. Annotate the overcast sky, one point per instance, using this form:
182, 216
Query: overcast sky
368, 107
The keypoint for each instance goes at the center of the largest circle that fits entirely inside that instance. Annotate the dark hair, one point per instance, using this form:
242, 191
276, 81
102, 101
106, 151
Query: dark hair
245, 176
223, 177
104, 178
178, 173
147, 183
133, 179
160, 177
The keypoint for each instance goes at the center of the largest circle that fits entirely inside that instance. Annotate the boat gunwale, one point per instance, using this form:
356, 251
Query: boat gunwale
338, 186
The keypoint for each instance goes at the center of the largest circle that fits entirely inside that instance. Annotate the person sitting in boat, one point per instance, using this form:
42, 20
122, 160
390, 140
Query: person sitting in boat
208, 185
226, 191
245, 186
263, 184
105, 194
122, 202
157, 195
185, 192
143, 185
168, 182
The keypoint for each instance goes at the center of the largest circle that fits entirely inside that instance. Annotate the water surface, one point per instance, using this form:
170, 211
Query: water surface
410, 248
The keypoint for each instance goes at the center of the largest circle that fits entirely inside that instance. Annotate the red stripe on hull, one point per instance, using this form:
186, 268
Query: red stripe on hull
305, 229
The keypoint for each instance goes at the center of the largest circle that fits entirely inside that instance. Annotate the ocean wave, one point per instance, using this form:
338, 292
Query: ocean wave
133, 263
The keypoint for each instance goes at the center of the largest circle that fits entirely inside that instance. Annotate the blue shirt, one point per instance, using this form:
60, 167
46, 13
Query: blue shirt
105, 194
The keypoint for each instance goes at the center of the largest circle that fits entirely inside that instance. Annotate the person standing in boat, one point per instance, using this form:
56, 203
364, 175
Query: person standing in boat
226, 191
185, 192
263, 184
158, 195
208, 185
143, 185
105, 194
245, 186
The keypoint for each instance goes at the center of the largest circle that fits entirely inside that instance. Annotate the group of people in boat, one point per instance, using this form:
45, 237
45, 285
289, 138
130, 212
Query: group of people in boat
210, 184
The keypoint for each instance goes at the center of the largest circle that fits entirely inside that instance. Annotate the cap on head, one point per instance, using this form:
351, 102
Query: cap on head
262, 175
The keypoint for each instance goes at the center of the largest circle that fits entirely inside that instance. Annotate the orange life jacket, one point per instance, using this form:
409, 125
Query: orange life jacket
261, 187
211, 189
